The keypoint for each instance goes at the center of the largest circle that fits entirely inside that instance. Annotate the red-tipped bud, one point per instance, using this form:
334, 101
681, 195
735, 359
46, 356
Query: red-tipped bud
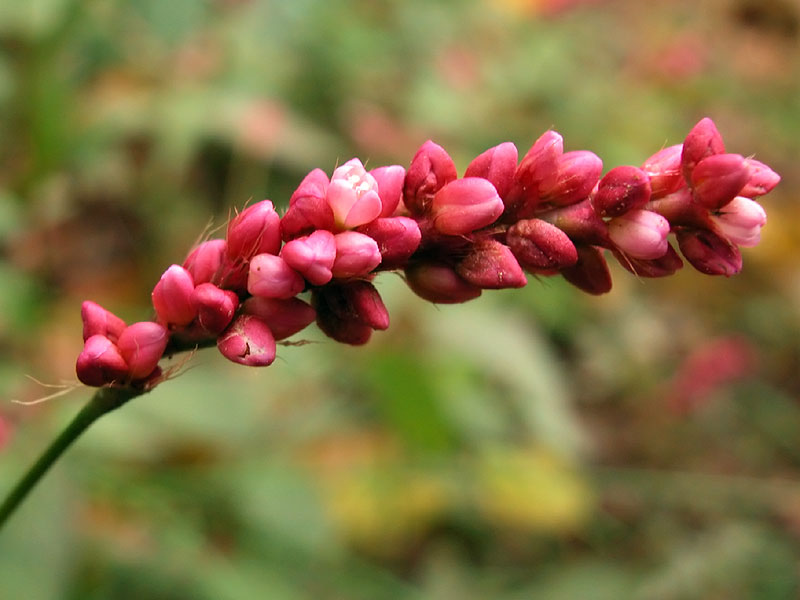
538, 169
255, 230
312, 256
271, 277
430, 170
622, 189
142, 345
590, 273
356, 255
344, 311
580, 222
497, 165
172, 297
658, 267
215, 307
283, 317
702, 141
709, 253
664, 171
762, 179
204, 263
741, 221
578, 173
464, 205
397, 238
491, 265
100, 362
439, 283
308, 208
353, 195
540, 247
718, 179
248, 341
640, 233
390, 187
99, 321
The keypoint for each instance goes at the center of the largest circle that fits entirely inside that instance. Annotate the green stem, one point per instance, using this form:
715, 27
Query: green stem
104, 401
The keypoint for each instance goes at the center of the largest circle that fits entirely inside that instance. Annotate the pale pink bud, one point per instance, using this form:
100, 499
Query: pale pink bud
741, 221
578, 173
390, 182
308, 208
762, 179
640, 234
172, 297
397, 238
709, 253
248, 341
491, 265
439, 283
465, 205
271, 277
142, 345
430, 170
356, 255
497, 165
702, 141
255, 230
353, 195
658, 267
540, 246
215, 307
620, 190
590, 273
348, 313
312, 256
664, 171
100, 362
204, 263
99, 321
718, 179
284, 317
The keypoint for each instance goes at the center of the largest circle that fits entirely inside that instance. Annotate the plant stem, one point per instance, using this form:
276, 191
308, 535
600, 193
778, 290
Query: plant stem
104, 401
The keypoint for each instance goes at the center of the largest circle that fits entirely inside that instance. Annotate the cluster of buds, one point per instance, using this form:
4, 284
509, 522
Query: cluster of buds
547, 214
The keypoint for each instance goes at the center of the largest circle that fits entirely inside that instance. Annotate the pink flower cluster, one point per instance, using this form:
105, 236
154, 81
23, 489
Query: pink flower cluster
549, 213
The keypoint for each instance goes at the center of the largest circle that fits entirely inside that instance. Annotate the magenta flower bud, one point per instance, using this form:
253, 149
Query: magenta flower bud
539, 167
709, 253
248, 341
659, 267
284, 317
497, 165
345, 312
308, 208
578, 173
702, 141
172, 297
718, 179
580, 222
142, 345
491, 265
255, 230
205, 262
464, 205
99, 321
539, 246
762, 179
215, 307
439, 283
353, 195
397, 238
100, 362
430, 170
356, 255
271, 277
590, 273
640, 233
390, 182
312, 256
741, 220
664, 171
622, 189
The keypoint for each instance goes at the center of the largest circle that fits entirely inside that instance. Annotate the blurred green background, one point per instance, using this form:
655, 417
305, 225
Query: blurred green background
536, 443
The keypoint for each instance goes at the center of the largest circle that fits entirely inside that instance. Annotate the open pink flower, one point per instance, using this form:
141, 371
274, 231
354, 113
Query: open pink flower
353, 195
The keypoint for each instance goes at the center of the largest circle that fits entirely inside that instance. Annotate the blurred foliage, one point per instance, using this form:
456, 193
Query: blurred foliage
530, 444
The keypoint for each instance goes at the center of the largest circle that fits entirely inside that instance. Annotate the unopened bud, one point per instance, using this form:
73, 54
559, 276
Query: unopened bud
497, 165
664, 171
255, 230
580, 222
172, 297
100, 362
141, 345
762, 179
353, 195
741, 221
465, 205
390, 182
284, 317
702, 141
539, 246
590, 273
99, 321
439, 283
578, 173
356, 255
345, 312
491, 265
248, 341
204, 263
312, 256
215, 307
271, 277
620, 190
397, 238
718, 179
308, 208
662, 266
538, 169
430, 170
709, 253
640, 233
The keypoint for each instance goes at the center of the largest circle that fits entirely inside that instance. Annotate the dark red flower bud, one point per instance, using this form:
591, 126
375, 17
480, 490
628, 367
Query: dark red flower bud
580, 222
491, 265
349, 312
622, 189
430, 170
659, 267
540, 247
439, 283
709, 253
590, 273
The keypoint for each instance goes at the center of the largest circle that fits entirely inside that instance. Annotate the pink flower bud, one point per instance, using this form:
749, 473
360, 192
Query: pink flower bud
255, 230
100, 362
622, 189
215, 307
741, 221
537, 169
590, 273
439, 283
271, 277
356, 255
540, 246
172, 298
353, 195
284, 317
578, 173
397, 238
430, 170
709, 253
762, 179
664, 171
658, 267
491, 265
98, 321
640, 233
248, 341
702, 141
346, 312
312, 256
580, 222
204, 263
718, 179
465, 205
390, 182
142, 345
497, 165
308, 208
